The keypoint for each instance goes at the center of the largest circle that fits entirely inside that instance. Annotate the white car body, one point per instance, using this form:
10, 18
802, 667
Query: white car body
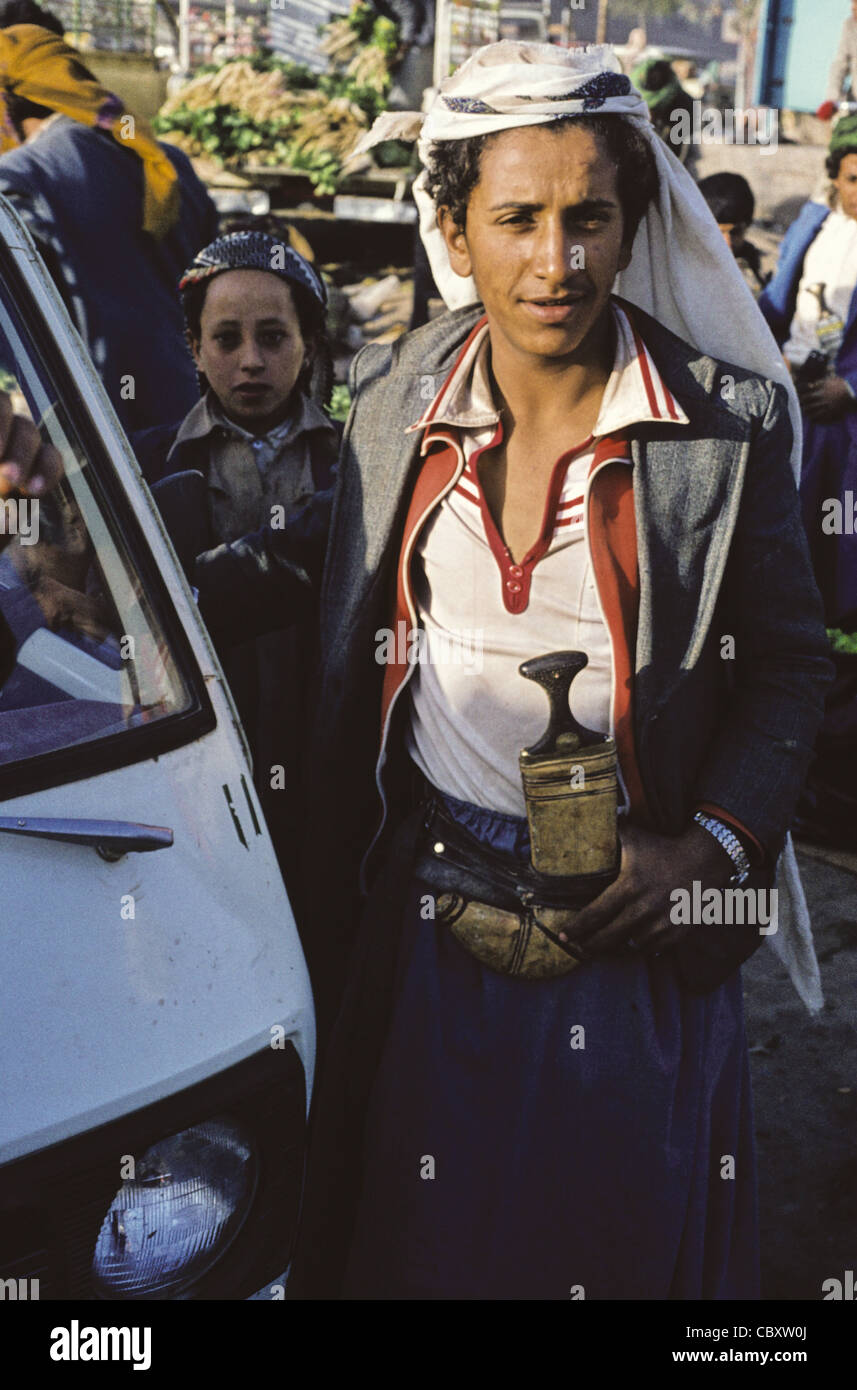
134, 985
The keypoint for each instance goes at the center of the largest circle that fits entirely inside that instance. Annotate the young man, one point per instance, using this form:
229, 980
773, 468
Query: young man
546, 468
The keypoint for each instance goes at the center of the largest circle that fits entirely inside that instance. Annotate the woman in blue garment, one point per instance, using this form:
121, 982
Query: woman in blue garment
811, 307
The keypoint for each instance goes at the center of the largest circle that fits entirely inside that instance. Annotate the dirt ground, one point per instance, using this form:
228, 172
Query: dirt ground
804, 1071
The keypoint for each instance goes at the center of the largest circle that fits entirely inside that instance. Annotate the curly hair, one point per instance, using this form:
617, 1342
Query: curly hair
454, 166
833, 162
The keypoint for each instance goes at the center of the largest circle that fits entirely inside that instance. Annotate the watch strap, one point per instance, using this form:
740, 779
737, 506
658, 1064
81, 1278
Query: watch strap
729, 842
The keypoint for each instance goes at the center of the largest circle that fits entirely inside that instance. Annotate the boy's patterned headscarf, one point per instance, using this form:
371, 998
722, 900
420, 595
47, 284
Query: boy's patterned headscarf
254, 251
38, 66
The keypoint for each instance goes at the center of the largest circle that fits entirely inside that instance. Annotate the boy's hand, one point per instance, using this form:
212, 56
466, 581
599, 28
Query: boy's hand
27, 464
827, 399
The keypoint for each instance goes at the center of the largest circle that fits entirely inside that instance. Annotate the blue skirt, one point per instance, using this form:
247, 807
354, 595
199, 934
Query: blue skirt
584, 1137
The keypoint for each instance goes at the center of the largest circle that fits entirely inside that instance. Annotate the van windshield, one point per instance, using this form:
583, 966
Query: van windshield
82, 654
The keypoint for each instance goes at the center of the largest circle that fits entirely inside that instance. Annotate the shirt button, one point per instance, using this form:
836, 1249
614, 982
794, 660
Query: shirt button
513, 587
516, 571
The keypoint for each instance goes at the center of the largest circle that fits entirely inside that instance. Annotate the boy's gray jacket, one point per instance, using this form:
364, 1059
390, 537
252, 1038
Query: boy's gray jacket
722, 555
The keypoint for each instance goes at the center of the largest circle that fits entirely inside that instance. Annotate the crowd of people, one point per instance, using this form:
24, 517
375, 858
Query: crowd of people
606, 462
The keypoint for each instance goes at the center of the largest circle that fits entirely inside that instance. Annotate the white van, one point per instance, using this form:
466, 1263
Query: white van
156, 1021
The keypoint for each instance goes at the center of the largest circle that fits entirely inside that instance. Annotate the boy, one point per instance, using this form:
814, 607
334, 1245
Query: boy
731, 200
254, 313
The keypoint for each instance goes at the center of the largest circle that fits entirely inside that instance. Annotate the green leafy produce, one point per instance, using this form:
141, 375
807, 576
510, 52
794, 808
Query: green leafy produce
843, 641
272, 111
340, 403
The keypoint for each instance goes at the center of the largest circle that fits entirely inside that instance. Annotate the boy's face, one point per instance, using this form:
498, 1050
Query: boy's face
543, 238
250, 347
845, 184
734, 232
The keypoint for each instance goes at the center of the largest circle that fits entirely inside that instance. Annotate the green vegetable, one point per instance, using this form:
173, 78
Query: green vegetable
340, 403
229, 135
843, 641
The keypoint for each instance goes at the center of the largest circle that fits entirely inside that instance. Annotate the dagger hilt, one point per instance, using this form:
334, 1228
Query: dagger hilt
555, 672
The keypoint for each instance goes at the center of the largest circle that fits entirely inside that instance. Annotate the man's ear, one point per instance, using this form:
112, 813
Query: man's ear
194, 345
456, 243
625, 255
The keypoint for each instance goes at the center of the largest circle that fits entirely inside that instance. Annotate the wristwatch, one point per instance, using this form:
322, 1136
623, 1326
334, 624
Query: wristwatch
728, 841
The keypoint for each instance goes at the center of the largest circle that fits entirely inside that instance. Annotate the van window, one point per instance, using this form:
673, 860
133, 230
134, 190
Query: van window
83, 656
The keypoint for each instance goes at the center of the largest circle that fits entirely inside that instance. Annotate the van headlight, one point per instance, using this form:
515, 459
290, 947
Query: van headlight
168, 1224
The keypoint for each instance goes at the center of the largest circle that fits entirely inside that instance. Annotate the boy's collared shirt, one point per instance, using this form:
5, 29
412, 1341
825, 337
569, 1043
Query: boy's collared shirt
250, 474
482, 613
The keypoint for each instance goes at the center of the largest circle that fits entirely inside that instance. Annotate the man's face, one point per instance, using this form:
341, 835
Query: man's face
250, 348
845, 184
543, 238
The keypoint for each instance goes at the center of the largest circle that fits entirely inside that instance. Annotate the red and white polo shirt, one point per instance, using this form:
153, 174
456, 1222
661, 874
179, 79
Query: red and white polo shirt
470, 711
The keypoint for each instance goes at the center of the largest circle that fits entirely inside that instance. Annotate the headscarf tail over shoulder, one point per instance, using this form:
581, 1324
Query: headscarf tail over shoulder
681, 270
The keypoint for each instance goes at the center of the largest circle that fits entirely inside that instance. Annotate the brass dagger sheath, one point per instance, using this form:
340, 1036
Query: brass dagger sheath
570, 782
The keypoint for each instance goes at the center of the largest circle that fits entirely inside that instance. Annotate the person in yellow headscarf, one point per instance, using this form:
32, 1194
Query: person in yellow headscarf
39, 67
116, 214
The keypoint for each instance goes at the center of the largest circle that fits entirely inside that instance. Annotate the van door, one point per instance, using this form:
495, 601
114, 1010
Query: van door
156, 1026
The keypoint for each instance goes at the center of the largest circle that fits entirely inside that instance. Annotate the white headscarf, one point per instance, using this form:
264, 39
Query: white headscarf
681, 272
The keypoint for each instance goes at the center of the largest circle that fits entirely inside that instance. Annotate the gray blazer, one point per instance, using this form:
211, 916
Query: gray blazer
721, 549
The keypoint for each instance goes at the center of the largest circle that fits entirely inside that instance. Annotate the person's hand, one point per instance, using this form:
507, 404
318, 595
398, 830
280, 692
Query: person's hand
827, 399
66, 607
27, 464
635, 909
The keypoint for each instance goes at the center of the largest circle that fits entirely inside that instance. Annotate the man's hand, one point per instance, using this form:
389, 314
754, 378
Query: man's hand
825, 400
635, 909
27, 464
